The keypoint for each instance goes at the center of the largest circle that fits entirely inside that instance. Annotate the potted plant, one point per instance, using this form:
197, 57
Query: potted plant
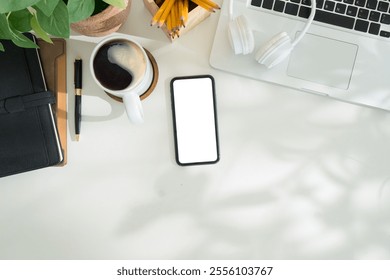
49, 17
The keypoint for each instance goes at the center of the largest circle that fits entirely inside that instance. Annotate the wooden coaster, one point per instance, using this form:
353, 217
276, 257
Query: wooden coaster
152, 85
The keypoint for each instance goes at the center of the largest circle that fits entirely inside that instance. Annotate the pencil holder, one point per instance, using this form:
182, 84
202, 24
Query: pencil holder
195, 16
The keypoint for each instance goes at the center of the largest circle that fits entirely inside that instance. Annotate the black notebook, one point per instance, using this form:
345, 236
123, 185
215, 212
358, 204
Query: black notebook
28, 134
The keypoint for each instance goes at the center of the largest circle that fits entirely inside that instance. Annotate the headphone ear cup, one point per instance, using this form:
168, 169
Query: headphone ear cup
247, 34
234, 37
275, 50
241, 36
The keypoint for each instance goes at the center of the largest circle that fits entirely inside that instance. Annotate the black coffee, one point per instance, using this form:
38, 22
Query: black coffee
118, 64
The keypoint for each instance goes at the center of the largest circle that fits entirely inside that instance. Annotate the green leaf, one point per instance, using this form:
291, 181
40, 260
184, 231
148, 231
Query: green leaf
20, 20
116, 3
47, 6
20, 40
4, 30
7, 31
57, 23
39, 31
1, 47
15, 5
79, 10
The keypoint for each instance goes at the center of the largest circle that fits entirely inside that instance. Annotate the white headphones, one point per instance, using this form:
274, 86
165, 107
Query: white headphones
271, 53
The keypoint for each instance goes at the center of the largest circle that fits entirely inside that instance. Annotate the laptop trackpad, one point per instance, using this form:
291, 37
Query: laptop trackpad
323, 60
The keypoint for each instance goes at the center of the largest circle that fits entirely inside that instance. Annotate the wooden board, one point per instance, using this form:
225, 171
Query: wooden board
53, 58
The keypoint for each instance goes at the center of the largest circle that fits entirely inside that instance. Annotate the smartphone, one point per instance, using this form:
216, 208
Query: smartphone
195, 120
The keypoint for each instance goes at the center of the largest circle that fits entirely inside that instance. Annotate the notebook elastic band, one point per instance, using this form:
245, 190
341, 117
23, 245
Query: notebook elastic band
20, 103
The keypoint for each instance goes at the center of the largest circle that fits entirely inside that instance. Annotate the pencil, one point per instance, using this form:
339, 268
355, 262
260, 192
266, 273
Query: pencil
185, 12
166, 11
180, 10
166, 6
178, 14
169, 24
211, 3
178, 17
203, 5
174, 16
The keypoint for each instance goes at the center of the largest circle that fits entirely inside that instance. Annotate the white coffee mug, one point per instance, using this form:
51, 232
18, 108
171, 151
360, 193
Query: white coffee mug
121, 67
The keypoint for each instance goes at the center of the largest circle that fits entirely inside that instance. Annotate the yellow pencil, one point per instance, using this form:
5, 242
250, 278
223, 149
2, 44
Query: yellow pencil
211, 3
166, 12
174, 16
166, 6
158, 14
181, 7
169, 24
185, 12
178, 14
203, 5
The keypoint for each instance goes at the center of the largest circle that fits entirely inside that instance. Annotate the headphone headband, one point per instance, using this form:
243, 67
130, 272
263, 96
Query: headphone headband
309, 21
273, 51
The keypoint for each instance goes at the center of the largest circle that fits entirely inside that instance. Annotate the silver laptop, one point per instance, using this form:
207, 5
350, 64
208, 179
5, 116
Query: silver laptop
343, 56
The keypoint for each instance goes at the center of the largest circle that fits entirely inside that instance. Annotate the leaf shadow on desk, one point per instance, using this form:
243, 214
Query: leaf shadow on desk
299, 185
182, 200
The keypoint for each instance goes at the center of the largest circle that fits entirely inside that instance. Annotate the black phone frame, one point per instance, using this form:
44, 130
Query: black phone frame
174, 118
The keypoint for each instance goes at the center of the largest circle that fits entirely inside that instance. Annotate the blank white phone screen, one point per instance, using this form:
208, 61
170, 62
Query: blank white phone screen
195, 120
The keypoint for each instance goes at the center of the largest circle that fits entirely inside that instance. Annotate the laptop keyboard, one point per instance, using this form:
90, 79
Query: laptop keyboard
368, 16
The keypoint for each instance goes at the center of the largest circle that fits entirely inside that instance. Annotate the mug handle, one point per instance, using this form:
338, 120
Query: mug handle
133, 107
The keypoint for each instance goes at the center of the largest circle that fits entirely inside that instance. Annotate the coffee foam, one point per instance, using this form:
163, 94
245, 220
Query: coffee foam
129, 57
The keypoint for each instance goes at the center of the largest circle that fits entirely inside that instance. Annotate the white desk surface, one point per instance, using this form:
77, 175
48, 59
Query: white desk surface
300, 176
